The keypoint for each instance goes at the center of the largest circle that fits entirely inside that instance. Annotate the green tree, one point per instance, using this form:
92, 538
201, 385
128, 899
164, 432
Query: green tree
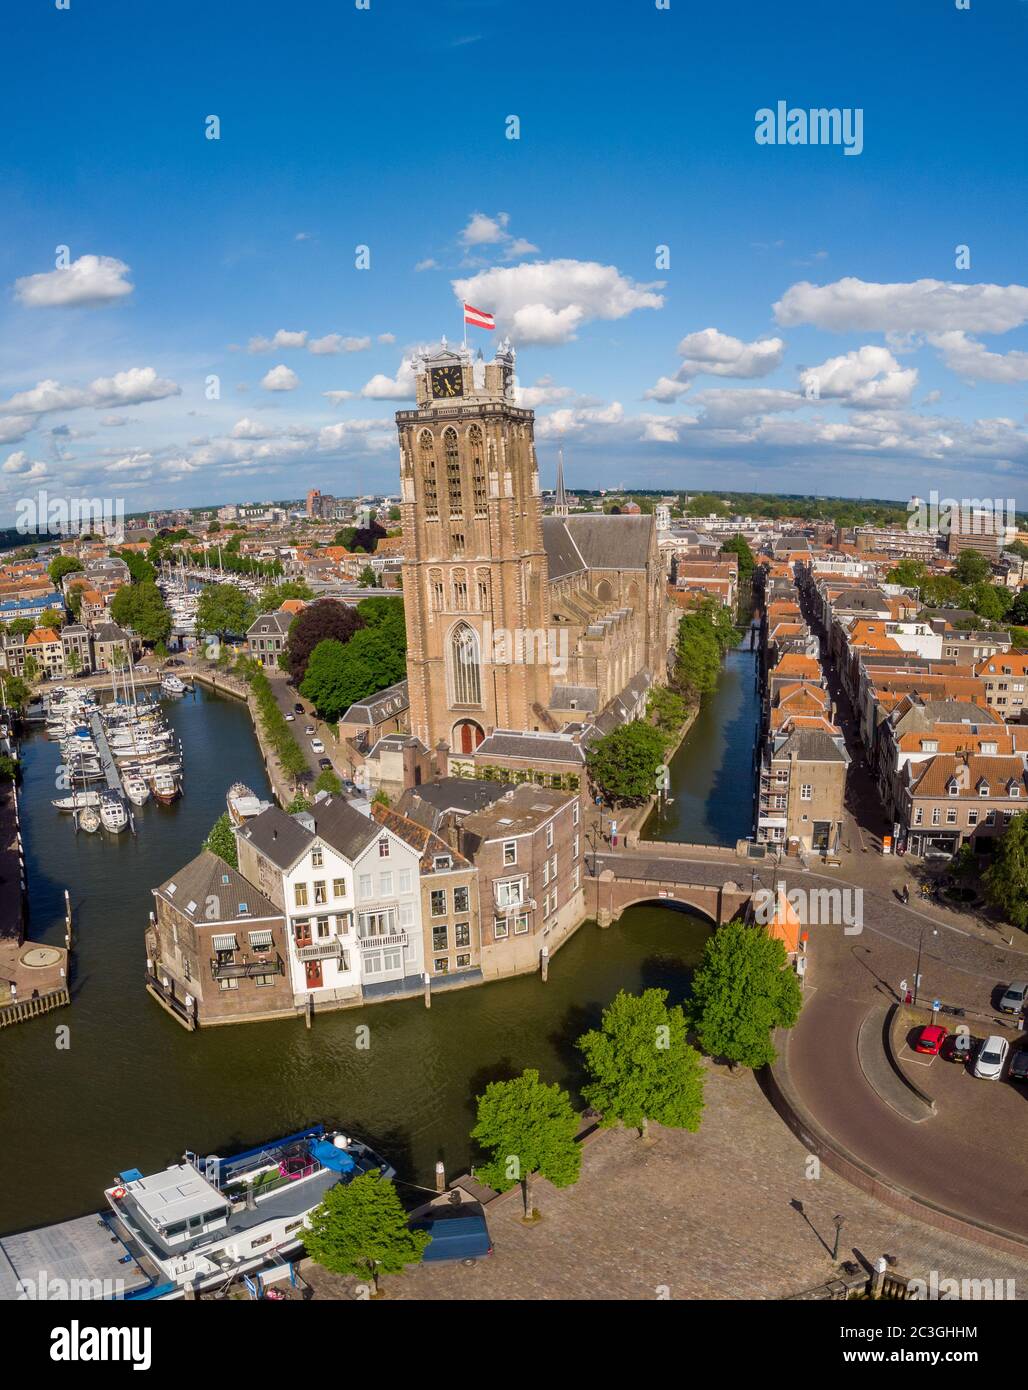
339, 673
1018, 610
74, 600
360, 1228
31, 667
989, 601
141, 607
51, 617
222, 842
739, 545
529, 1128
742, 990
344, 537
139, 567
1006, 878
276, 594
367, 579
8, 768
624, 763
328, 781
224, 610
666, 708
642, 1066
910, 574
971, 567
73, 662
15, 692
21, 627
61, 565
697, 656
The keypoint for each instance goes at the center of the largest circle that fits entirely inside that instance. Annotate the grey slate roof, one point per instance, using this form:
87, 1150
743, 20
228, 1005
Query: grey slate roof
583, 697
429, 803
577, 543
812, 746
376, 708
277, 624
283, 839
508, 743
208, 878
277, 836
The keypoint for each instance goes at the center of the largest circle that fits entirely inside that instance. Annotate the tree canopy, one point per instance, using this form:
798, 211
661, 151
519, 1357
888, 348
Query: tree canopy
327, 618
142, 608
624, 763
222, 842
224, 610
529, 1128
61, 565
360, 1229
739, 545
971, 567
642, 1066
276, 594
339, 673
1006, 878
742, 990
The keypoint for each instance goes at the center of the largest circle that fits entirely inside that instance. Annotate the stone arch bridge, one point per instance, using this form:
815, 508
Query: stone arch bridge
620, 879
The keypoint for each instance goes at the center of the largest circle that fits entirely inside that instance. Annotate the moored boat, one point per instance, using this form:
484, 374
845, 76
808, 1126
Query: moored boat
113, 814
135, 788
89, 820
76, 801
163, 785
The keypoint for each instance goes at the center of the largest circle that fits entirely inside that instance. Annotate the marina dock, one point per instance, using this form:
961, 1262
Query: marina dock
110, 767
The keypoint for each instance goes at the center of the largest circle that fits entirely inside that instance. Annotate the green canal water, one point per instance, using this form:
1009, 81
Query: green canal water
711, 773
133, 1089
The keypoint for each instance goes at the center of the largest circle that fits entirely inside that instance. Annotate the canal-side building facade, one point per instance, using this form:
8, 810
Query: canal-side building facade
216, 947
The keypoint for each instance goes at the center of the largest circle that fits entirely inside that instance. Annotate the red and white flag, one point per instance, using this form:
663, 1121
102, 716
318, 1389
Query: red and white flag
478, 317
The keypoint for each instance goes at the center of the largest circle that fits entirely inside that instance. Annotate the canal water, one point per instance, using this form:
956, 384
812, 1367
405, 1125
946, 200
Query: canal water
711, 774
134, 1089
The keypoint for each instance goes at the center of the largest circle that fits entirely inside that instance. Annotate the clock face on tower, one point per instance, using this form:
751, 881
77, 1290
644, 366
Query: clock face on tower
446, 382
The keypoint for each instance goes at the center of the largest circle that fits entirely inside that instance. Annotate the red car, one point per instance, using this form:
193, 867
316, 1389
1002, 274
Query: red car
930, 1039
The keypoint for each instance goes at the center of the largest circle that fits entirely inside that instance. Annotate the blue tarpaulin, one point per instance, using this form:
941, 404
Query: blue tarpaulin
338, 1160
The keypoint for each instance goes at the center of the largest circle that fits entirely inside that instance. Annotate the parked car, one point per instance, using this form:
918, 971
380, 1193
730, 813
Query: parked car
290, 718
934, 855
457, 1233
959, 1047
350, 787
1014, 998
1018, 1069
930, 1039
298, 708
325, 764
309, 730
317, 746
992, 1054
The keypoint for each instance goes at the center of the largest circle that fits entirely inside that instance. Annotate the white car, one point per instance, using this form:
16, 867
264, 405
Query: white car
991, 1058
310, 729
290, 718
317, 746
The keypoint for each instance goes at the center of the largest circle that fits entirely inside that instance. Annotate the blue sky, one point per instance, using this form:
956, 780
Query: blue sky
812, 332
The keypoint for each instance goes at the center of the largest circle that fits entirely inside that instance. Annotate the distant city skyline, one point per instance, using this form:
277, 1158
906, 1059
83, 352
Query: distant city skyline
184, 321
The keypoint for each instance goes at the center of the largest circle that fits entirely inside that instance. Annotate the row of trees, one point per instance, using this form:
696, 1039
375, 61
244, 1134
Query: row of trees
373, 657
273, 722
969, 586
640, 1068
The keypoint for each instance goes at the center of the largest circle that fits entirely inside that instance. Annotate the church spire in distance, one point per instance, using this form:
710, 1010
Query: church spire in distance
560, 502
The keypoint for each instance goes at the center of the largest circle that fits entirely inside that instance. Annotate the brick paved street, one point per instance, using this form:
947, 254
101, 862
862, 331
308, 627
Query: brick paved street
703, 1216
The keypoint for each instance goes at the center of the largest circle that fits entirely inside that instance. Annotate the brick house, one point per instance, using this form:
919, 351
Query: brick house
802, 790
951, 800
266, 636
216, 947
527, 847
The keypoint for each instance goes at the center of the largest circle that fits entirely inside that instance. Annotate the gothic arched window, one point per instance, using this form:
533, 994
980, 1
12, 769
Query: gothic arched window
465, 666
477, 469
426, 446
452, 471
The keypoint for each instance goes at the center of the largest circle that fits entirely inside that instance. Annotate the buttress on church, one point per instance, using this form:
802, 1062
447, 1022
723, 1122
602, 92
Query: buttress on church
515, 620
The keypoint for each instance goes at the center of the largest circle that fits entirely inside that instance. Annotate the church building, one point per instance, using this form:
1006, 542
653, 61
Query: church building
515, 620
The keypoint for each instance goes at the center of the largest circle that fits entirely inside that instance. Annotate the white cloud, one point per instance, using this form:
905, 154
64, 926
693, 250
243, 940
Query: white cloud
519, 246
969, 358
713, 353
429, 263
548, 301
131, 387
280, 378
572, 420
91, 280
333, 343
337, 397
542, 393
23, 467
15, 427
284, 338
723, 406
483, 230
401, 387
303, 236
387, 337
925, 306
870, 376
131, 463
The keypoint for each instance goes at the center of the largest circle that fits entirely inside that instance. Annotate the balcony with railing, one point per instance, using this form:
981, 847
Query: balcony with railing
245, 969
393, 938
321, 950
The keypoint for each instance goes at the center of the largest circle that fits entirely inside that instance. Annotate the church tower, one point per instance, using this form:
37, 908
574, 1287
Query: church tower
475, 574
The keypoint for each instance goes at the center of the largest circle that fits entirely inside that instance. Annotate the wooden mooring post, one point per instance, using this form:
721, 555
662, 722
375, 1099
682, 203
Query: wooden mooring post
67, 919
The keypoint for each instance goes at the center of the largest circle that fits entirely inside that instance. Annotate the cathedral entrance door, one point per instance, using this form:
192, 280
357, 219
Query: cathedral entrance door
467, 735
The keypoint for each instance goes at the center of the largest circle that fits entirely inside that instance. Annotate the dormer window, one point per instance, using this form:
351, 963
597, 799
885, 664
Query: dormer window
983, 789
954, 788
1014, 789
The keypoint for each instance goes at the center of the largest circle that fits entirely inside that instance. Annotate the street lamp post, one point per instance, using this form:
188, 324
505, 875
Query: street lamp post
838, 1227
917, 971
